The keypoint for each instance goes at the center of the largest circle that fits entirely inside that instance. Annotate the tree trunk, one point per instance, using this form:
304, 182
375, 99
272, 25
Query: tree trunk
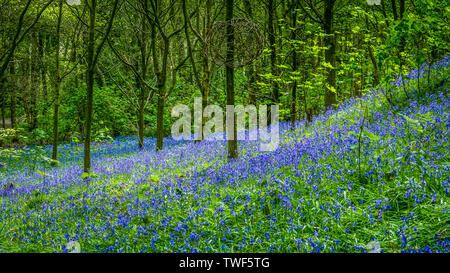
330, 53
250, 69
57, 85
99, 76
402, 8
92, 57
372, 58
394, 9
273, 54
141, 125
143, 94
294, 67
12, 85
89, 86
42, 67
232, 143
2, 101
202, 83
55, 121
141, 110
34, 82
160, 120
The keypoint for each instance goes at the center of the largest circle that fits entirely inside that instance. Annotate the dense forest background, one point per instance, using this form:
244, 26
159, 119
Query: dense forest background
95, 70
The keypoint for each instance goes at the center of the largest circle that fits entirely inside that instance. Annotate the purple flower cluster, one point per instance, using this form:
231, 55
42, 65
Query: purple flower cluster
309, 195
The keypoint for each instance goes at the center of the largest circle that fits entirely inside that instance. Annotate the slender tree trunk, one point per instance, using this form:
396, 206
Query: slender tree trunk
141, 107
330, 53
205, 90
141, 126
402, 8
202, 83
204, 104
141, 110
57, 85
394, 9
2, 101
26, 68
160, 120
402, 48
250, 69
99, 76
161, 101
294, 67
232, 143
305, 98
206, 69
143, 89
55, 121
89, 85
42, 66
34, 81
92, 57
273, 53
160, 70
12, 85
376, 74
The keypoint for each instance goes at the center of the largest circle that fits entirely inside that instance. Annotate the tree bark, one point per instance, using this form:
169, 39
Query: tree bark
2, 101
330, 52
34, 83
250, 69
394, 9
57, 84
92, 57
160, 121
42, 67
143, 89
89, 85
160, 69
232, 143
273, 54
12, 85
402, 8
294, 66
372, 58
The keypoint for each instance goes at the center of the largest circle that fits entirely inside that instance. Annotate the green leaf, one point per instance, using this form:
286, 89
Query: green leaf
84, 175
42, 173
371, 135
332, 89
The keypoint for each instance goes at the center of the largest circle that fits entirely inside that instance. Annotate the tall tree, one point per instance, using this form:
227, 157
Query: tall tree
330, 52
140, 68
57, 83
93, 53
12, 84
271, 9
203, 77
294, 62
156, 13
326, 21
250, 69
231, 120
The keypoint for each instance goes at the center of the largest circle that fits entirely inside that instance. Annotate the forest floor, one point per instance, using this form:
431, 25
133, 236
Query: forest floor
360, 178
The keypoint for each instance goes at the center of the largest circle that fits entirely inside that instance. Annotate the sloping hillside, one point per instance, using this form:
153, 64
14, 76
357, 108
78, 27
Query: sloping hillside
371, 175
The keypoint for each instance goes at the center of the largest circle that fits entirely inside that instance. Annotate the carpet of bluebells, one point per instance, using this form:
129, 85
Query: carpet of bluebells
367, 176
